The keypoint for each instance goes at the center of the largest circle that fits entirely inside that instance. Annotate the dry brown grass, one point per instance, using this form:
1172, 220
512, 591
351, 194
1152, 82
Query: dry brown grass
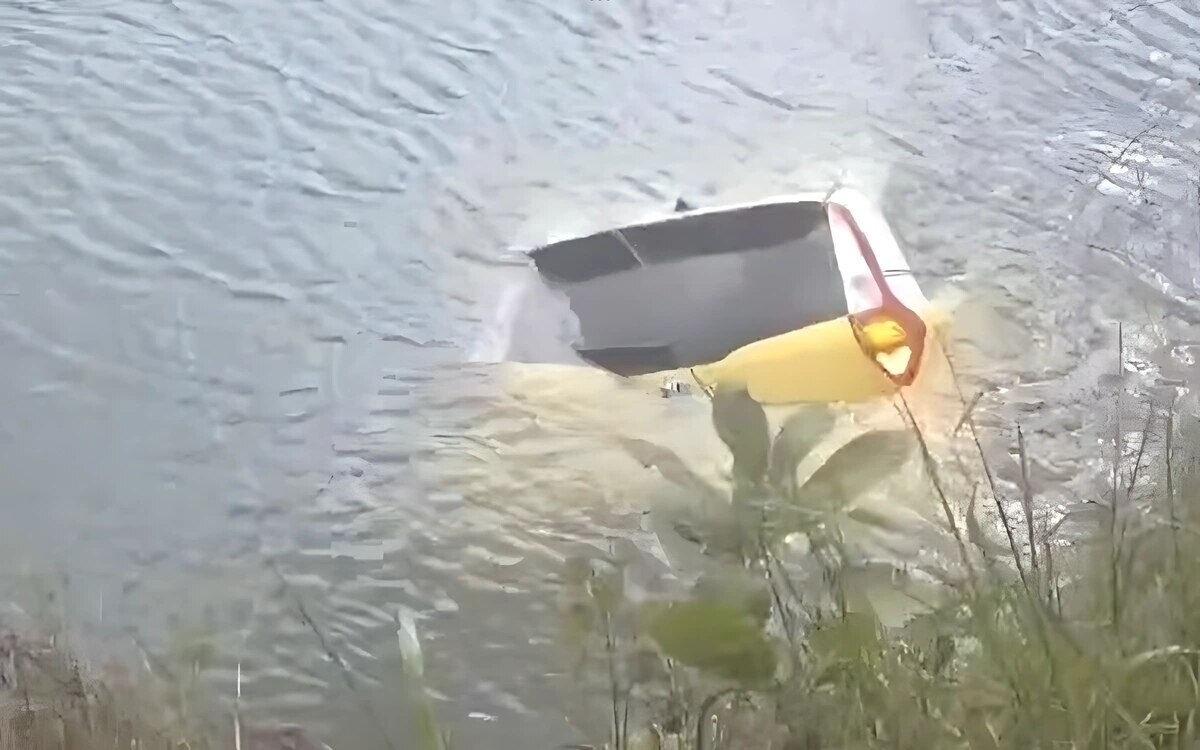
50, 701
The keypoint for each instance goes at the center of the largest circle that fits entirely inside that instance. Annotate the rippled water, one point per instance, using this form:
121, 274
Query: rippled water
247, 250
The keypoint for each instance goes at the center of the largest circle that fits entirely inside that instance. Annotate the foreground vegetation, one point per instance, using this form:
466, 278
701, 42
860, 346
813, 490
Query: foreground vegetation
1091, 642
1046, 640
49, 701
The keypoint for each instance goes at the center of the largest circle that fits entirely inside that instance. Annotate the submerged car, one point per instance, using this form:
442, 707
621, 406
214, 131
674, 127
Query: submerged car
798, 298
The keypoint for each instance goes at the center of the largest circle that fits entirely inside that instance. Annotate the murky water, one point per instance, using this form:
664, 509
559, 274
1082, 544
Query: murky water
248, 248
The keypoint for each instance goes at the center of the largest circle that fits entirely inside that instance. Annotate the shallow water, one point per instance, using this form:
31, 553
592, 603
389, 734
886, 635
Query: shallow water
247, 250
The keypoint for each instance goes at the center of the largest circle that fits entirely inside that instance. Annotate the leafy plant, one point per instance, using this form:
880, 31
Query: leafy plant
1090, 644
724, 643
716, 637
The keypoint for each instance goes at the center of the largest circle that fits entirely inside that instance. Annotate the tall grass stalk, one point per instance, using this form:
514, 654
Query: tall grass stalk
1027, 507
935, 478
968, 419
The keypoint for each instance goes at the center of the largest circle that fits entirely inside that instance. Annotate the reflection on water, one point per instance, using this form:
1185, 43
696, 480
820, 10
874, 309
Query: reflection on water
246, 248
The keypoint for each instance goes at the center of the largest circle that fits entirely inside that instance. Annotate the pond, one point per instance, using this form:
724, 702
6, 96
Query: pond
250, 253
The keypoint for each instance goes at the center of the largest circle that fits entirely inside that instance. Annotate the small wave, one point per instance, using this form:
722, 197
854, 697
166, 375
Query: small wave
495, 340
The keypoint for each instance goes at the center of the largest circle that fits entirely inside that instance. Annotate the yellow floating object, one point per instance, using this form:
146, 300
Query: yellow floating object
823, 362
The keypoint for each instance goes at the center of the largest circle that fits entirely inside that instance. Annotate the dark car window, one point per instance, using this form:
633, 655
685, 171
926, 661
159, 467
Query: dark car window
689, 290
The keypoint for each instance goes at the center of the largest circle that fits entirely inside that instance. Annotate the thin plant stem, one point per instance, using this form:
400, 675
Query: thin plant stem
1118, 449
1172, 516
1141, 454
610, 650
1052, 602
1128, 556
987, 469
1171, 487
931, 468
237, 714
784, 618
1027, 505
625, 714
1117, 437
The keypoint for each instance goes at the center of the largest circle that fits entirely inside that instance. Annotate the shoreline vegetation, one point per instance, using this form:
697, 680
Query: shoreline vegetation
1038, 641
1043, 641
50, 701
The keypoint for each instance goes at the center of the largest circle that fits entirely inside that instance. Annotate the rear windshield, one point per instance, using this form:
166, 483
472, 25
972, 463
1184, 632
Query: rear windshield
752, 228
691, 289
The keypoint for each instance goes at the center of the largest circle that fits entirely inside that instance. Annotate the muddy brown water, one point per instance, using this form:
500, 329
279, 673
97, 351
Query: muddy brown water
248, 252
